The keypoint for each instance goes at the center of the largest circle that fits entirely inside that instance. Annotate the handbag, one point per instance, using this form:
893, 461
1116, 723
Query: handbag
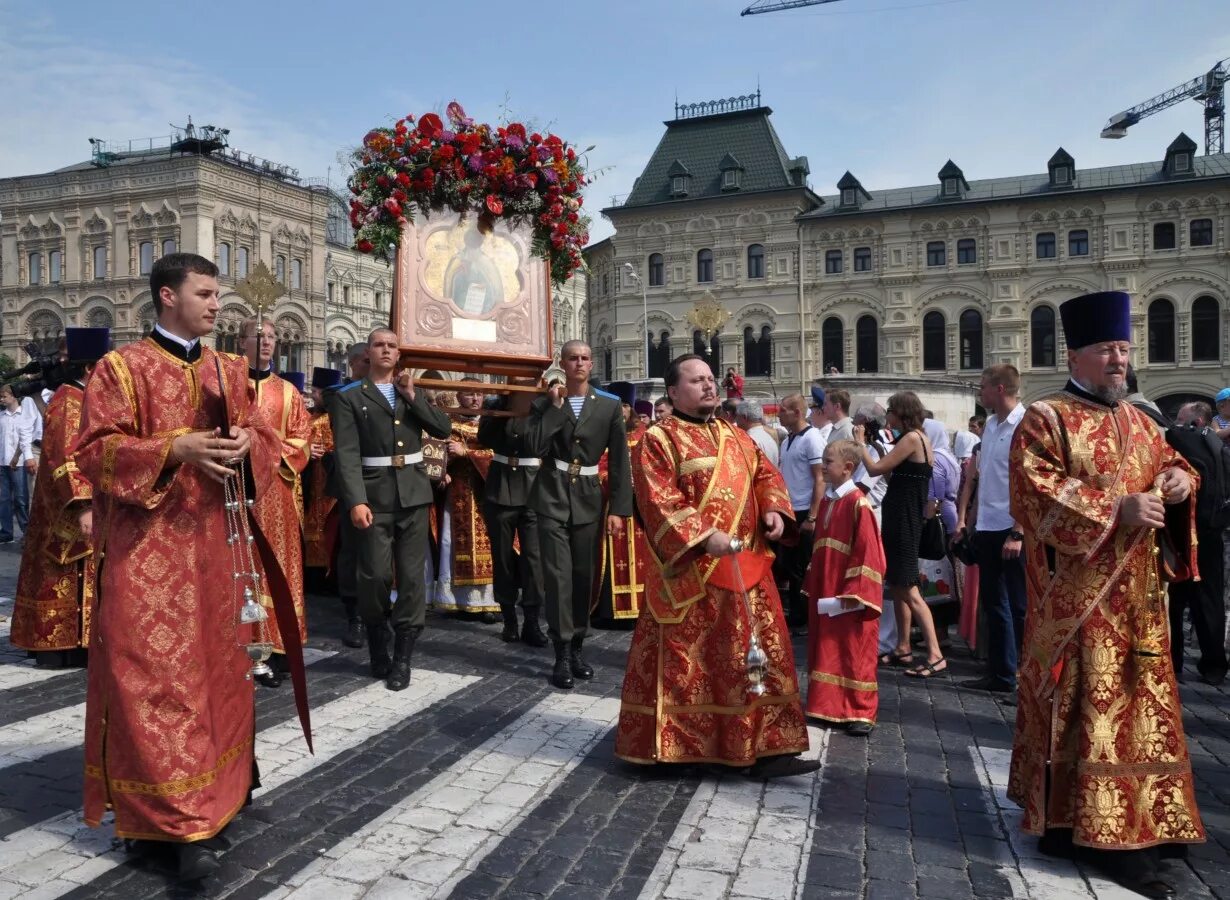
963, 548
932, 543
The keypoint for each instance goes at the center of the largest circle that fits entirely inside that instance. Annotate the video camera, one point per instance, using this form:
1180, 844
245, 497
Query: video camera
43, 371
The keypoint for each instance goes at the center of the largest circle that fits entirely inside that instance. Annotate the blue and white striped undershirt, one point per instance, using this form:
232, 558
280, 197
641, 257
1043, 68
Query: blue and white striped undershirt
386, 390
576, 403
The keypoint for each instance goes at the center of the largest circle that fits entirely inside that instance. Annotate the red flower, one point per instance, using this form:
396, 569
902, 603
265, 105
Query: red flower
403, 179
430, 125
365, 246
495, 205
535, 138
382, 180
393, 207
447, 151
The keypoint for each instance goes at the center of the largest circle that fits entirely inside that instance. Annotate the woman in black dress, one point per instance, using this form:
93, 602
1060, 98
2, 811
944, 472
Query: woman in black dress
909, 464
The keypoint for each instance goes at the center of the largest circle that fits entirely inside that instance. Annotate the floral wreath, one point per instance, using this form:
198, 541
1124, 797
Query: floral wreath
499, 172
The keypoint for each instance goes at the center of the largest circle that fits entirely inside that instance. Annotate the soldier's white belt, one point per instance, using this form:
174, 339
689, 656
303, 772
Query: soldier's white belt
514, 461
575, 468
397, 462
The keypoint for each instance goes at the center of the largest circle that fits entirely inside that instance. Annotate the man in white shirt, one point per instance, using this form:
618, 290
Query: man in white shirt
16, 461
750, 417
802, 465
997, 536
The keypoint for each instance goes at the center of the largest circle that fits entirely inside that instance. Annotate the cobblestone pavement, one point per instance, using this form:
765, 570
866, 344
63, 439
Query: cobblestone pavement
480, 781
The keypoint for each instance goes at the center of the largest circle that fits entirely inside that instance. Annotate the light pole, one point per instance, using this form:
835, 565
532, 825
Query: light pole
632, 273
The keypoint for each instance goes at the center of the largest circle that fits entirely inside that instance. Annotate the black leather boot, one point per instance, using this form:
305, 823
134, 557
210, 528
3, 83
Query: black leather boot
531, 631
403, 646
509, 634
378, 647
561, 675
194, 862
580, 668
354, 625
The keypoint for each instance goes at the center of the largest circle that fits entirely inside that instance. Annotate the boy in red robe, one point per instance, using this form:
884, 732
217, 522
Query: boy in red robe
845, 586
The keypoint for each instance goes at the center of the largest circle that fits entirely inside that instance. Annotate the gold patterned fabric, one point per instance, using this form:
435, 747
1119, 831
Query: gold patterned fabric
169, 705
1099, 745
55, 587
620, 584
280, 510
467, 575
685, 695
319, 532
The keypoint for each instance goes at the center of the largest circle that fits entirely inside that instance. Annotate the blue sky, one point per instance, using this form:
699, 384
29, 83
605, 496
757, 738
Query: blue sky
889, 89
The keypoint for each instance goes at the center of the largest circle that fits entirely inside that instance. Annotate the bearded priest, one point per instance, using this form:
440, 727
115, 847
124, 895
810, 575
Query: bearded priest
1099, 760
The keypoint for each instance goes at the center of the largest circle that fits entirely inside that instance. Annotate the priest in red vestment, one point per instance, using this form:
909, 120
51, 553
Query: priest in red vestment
55, 587
621, 580
710, 503
169, 730
280, 514
319, 535
1099, 759
844, 586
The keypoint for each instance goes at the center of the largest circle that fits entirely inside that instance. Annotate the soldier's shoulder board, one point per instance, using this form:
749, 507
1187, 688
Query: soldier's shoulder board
348, 387
602, 393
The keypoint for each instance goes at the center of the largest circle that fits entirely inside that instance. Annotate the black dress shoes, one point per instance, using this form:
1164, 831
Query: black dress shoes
269, 679
782, 767
985, 684
195, 862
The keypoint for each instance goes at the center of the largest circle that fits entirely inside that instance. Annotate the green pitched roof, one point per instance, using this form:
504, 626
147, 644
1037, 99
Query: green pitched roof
700, 144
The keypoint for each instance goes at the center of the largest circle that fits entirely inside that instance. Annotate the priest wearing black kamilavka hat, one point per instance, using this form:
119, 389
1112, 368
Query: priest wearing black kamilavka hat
55, 588
1099, 760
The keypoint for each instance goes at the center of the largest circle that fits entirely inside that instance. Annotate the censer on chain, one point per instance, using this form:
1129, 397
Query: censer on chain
246, 576
756, 662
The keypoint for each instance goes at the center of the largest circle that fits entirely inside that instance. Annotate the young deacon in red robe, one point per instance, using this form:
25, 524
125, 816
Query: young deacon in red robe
280, 514
845, 587
710, 502
55, 589
169, 729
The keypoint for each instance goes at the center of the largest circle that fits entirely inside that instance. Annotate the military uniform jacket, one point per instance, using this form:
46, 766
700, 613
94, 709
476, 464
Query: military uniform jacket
554, 433
507, 485
365, 425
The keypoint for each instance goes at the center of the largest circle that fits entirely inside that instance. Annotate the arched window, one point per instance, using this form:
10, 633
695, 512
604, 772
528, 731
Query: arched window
866, 344
1042, 337
660, 355
1206, 330
766, 350
241, 271
970, 328
224, 258
168, 246
146, 253
100, 262
935, 355
704, 266
36, 268
279, 269
55, 266
296, 274
657, 270
755, 261
751, 352
832, 344
45, 328
1161, 331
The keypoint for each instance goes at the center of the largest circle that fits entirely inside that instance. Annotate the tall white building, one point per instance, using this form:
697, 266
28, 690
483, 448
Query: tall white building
931, 282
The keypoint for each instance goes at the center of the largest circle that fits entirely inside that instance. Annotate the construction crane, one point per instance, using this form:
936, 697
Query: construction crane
768, 6
1209, 89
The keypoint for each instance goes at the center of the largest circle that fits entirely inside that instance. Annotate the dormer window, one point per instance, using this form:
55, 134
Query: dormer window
952, 181
681, 179
1062, 168
852, 193
732, 173
1180, 156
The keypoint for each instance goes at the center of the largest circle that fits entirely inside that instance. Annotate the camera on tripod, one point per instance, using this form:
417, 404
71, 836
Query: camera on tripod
44, 371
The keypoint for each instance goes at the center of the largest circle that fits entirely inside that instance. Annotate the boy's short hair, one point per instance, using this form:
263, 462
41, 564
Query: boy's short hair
847, 450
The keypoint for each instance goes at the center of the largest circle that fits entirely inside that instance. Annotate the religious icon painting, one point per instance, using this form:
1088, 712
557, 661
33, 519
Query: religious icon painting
471, 297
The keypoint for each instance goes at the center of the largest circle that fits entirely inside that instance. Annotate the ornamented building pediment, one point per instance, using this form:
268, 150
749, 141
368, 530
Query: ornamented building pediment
96, 224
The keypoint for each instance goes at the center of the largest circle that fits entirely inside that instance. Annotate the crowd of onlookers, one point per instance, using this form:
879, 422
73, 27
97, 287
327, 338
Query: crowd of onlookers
21, 433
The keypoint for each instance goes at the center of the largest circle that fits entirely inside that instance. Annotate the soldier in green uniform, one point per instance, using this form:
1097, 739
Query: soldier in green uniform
571, 427
505, 496
383, 487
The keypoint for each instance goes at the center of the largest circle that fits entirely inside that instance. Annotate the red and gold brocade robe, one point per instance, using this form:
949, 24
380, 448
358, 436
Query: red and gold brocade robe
280, 513
169, 706
55, 588
847, 562
318, 535
466, 578
1097, 697
621, 582
685, 696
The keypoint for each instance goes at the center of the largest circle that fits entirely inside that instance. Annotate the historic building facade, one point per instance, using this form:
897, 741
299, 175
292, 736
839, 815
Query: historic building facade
77, 244
931, 282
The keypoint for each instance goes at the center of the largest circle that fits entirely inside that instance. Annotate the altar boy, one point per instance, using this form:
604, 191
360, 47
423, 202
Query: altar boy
844, 587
